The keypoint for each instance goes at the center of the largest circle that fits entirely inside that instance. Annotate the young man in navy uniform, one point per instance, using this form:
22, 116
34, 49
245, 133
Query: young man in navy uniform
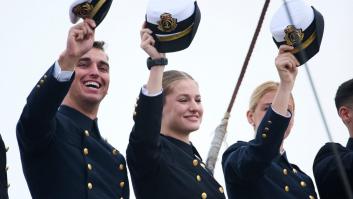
326, 170
63, 154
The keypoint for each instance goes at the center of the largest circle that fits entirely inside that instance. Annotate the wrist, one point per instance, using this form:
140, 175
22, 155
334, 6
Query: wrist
157, 55
156, 62
285, 89
67, 62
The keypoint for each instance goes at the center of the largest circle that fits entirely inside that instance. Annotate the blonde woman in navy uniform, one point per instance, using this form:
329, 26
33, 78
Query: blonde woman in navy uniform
162, 161
63, 154
259, 168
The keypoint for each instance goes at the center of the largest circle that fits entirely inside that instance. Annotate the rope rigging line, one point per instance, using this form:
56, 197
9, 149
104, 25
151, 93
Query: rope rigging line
221, 130
342, 172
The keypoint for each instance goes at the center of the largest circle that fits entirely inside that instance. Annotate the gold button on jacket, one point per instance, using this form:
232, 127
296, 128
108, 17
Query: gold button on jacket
77, 162
256, 169
163, 167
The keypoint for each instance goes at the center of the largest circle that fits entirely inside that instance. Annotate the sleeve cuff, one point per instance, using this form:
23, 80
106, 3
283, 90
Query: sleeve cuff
61, 76
145, 92
288, 115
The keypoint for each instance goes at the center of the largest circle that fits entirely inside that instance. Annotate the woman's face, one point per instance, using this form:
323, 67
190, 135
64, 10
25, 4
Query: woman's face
255, 117
182, 111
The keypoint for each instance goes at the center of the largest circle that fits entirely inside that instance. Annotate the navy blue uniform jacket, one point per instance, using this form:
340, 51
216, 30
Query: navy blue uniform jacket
3, 171
163, 167
63, 155
256, 170
326, 172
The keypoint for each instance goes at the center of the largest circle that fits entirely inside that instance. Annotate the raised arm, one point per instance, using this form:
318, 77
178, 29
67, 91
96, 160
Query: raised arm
154, 84
287, 67
143, 152
248, 161
37, 124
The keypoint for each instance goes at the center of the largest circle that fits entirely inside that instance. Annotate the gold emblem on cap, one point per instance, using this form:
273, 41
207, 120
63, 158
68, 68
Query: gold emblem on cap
83, 10
87, 10
167, 23
293, 36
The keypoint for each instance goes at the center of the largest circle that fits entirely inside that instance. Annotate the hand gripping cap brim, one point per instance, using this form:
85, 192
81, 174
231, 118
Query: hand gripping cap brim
179, 38
93, 9
310, 32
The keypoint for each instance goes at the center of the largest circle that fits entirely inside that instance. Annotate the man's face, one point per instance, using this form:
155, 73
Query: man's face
346, 114
91, 78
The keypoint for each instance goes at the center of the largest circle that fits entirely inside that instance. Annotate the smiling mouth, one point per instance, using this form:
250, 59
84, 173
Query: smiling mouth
92, 84
192, 117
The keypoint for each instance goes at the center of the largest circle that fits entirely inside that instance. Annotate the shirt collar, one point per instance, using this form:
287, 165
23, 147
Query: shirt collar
350, 143
282, 158
187, 148
81, 120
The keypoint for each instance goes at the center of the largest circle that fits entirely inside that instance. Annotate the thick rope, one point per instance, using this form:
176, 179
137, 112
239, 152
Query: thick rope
216, 143
341, 169
221, 130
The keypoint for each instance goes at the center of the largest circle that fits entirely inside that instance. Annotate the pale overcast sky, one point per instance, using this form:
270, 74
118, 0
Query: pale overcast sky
33, 34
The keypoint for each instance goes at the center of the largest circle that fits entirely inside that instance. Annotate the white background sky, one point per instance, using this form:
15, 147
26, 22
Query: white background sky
33, 34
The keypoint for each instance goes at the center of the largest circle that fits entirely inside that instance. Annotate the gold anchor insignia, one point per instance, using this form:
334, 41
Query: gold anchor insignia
167, 23
294, 36
83, 10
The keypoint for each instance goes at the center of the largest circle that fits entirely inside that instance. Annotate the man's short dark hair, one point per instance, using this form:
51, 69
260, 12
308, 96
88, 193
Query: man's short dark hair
99, 45
344, 95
